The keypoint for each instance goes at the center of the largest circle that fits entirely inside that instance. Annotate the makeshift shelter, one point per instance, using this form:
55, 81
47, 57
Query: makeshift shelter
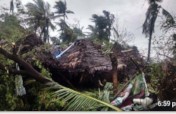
84, 64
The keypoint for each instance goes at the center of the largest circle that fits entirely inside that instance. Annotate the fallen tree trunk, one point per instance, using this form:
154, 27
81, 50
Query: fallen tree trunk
28, 68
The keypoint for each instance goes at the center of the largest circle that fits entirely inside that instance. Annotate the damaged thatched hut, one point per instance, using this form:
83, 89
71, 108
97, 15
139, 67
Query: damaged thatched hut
84, 64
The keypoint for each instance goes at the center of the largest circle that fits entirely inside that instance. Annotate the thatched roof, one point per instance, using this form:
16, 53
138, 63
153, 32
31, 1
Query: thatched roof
124, 56
83, 63
85, 55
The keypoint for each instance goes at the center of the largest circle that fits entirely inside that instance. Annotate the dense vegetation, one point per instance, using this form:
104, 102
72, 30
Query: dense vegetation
24, 68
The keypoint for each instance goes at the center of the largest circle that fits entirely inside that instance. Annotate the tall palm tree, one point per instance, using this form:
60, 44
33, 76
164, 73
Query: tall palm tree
61, 9
103, 24
40, 18
149, 23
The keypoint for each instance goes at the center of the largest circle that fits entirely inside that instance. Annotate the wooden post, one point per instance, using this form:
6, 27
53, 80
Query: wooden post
114, 73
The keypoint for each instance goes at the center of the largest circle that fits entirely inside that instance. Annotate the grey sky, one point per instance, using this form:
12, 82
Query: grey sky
130, 14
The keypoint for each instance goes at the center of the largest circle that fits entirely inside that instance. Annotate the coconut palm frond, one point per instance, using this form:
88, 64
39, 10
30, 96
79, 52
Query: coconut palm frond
57, 16
40, 5
52, 26
77, 101
92, 28
47, 10
169, 22
36, 7
61, 7
69, 11
105, 94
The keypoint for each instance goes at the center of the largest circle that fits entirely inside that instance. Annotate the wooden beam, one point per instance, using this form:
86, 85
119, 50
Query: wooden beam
114, 73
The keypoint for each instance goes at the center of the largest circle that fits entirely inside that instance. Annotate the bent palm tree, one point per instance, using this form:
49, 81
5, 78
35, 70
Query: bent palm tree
40, 18
149, 24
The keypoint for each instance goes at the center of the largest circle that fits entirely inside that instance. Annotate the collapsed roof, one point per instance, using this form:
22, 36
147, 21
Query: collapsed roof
83, 62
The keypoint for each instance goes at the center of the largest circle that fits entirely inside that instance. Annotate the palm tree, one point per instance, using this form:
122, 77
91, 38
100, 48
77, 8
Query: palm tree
110, 21
103, 24
100, 25
93, 31
149, 23
40, 18
62, 10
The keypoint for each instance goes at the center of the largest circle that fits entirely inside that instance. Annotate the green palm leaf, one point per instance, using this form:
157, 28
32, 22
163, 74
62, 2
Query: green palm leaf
77, 101
169, 22
69, 11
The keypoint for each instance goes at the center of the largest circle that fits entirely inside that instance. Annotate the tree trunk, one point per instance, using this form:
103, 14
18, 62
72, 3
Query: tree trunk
114, 73
28, 68
149, 48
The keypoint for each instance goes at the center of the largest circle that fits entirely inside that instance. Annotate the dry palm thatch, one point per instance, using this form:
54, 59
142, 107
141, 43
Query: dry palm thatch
84, 63
85, 56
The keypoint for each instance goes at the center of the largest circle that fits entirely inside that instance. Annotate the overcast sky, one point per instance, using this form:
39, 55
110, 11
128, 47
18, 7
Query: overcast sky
130, 14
